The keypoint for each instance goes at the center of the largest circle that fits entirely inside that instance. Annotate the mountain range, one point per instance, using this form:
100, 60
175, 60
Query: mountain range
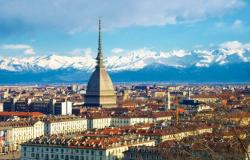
228, 63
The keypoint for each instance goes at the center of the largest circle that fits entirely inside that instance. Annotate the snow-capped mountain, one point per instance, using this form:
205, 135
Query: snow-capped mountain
228, 63
42, 63
132, 60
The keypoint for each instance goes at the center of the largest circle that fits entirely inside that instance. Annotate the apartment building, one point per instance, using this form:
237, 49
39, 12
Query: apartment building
77, 148
64, 124
12, 134
103, 120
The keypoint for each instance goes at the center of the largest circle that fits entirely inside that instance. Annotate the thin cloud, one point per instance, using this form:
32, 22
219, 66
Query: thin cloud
81, 51
82, 14
237, 23
27, 49
15, 46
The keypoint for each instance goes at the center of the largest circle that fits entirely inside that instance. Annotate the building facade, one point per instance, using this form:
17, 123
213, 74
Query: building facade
109, 148
100, 121
15, 133
63, 108
64, 125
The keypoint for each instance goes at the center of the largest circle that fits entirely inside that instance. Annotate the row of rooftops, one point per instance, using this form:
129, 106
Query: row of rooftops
30, 121
148, 129
120, 136
208, 142
83, 142
137, 114
51, 119
238, 115
16, 124
175, 129
36, 116
22, 114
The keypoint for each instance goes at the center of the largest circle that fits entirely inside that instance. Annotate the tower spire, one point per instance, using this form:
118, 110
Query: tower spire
100, 91
99, 57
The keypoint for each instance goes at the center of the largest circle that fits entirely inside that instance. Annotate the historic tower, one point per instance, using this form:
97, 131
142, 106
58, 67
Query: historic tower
100, 91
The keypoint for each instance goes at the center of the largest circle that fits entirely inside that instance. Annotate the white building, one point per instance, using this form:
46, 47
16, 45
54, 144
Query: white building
128, 121
64, 125
204, 107
1, 107
99, 122
78, 148
102, 121
17, 132
63, 108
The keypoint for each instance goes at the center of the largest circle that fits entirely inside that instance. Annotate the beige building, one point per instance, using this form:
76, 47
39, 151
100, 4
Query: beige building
100, 91
205, 98
159, 94
129, 121
168, 134
64, 125
17, 132
100, 122
79, 148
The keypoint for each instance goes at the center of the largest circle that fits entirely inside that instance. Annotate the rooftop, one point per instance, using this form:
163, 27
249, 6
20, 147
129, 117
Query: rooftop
83, 142
22, 114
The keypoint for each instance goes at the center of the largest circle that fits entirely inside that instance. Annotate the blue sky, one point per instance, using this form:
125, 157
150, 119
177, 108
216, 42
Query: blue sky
67, 27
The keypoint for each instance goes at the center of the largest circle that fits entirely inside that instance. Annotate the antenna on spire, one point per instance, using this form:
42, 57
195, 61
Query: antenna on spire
100, 36
99, 57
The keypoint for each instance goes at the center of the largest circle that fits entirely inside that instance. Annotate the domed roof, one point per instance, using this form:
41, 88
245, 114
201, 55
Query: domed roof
100, 83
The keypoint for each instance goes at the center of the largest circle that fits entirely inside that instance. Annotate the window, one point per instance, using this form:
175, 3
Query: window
66, 157
32, 154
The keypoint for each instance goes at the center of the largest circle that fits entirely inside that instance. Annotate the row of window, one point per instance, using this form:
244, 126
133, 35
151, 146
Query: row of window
51, 150
64, 157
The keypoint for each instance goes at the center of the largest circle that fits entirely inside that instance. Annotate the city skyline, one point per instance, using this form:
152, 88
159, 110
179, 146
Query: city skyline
124, 80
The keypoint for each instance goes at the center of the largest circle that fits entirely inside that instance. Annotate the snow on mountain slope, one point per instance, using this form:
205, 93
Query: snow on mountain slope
227, 53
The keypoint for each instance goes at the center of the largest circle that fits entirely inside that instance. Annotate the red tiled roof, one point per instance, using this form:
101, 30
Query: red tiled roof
33, 114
